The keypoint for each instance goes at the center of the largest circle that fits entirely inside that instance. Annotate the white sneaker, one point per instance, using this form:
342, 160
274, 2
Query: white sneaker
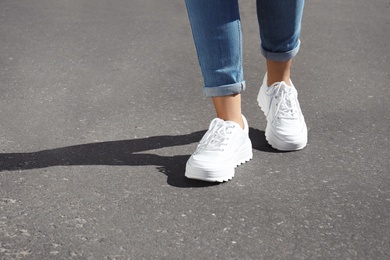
224, 146
286, 128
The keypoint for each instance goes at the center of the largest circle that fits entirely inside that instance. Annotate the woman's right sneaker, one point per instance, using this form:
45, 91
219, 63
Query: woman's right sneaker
224, 146
286, 128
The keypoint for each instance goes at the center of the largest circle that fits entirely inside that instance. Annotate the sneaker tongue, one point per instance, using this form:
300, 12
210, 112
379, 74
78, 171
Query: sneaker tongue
233, 124
287, 105
230, 123
278, 87
285, 87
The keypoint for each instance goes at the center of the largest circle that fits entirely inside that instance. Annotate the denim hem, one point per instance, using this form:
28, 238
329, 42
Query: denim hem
280, 56
224, 90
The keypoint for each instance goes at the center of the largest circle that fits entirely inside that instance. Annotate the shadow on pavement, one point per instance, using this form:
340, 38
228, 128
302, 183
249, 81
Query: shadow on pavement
124, 152
260, 143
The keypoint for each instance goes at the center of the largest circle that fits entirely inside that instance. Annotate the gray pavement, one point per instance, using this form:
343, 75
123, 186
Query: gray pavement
101, 105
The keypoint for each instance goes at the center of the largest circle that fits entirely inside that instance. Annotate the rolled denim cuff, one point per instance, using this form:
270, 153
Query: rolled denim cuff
224, 90
280, 56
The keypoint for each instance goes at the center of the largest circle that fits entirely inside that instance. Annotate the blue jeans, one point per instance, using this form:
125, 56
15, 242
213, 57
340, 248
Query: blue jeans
216, 29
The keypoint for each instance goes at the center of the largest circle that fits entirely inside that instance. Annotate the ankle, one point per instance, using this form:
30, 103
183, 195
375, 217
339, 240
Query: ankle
278, 72
228, 108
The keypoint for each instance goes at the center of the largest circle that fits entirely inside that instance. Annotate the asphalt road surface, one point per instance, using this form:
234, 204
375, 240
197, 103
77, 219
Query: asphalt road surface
101, 105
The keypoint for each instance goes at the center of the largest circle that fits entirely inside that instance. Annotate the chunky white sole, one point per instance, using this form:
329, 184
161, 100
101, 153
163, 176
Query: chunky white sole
276, 143
224, 173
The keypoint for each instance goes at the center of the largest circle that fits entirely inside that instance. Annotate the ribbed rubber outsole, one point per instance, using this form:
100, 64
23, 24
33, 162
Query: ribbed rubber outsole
218, 179
285, 149
199, 174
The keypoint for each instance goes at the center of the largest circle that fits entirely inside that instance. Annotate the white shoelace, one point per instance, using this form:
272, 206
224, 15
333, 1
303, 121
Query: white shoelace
285, 101
216, 137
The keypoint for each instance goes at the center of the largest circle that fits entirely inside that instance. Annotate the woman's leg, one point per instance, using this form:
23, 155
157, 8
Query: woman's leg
278, 71
217, 34
280, 26
216, 29
228, 108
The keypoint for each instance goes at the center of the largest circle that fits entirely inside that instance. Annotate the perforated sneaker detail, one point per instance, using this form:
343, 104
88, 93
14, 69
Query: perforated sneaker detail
216, 137
284, 99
